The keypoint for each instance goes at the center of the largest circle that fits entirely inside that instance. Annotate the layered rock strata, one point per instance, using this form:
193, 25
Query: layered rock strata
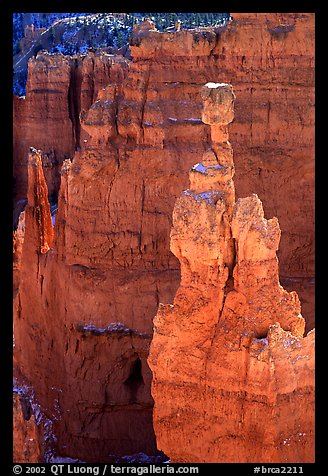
273, 129
58, 89
99, 341
233, 376
84, 309
270, 60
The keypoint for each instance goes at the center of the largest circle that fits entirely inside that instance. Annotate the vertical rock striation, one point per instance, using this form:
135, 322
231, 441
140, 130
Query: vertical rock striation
42, 119
233, 376
37, 213
58, 89
18, 240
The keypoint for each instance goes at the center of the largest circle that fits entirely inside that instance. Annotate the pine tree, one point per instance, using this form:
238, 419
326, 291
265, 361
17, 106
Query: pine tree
52, 34
16, 48
121, 39
109, 40
171, 19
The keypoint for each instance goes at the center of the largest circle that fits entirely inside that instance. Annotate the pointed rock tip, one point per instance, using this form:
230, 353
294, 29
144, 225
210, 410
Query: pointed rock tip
34, 151
34, 157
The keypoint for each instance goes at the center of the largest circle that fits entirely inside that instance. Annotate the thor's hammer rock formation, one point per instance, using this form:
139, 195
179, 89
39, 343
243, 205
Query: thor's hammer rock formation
233, 376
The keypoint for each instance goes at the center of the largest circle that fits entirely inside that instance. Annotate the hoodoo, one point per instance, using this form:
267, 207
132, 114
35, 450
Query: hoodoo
233, 376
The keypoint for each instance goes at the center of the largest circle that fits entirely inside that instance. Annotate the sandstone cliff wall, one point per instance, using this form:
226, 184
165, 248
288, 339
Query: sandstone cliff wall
58, 89
270, 60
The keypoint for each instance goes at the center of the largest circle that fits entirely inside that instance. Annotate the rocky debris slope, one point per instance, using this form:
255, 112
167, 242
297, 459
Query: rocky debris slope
25, 433
233, 376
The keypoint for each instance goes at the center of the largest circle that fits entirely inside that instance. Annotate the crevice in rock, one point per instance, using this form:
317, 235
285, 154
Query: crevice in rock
134, 380
77, 346
74, 101
262, 335
143, 100
142, 214
19, 307
26, 408
217, 40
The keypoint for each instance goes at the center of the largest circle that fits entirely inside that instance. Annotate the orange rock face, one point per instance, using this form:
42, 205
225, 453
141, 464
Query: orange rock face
58, 89
42, 119
84, 309
233, 376
101, 306
270, 60
37, 212
273, 127
25, 433
18, 240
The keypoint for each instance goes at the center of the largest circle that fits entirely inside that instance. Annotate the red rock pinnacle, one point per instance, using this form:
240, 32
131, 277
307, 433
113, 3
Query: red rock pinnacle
232, 373
37, 214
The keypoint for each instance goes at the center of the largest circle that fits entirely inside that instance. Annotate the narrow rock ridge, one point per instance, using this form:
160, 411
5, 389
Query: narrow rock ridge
232, 372
18, 240
37, 212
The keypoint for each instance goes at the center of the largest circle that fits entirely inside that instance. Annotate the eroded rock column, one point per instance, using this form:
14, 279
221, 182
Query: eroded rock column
232, 372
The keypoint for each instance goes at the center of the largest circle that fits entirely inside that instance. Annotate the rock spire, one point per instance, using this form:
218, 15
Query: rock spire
232, 372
